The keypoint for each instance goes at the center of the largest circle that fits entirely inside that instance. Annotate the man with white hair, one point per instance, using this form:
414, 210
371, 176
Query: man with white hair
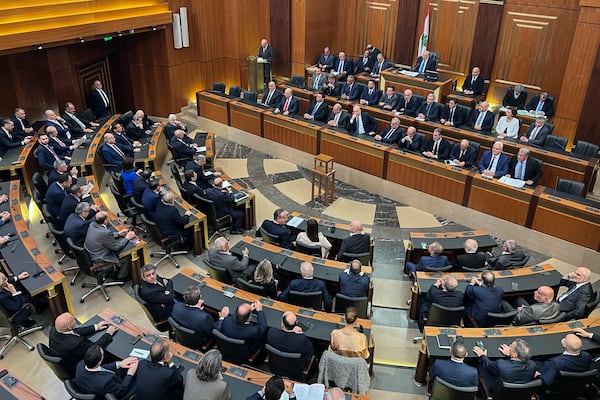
525, 168
171, 223
472, 258
493, 163
358, 242
288, 104
172, 125
336, 394
220, 256
308, 284
579, 292
511, 256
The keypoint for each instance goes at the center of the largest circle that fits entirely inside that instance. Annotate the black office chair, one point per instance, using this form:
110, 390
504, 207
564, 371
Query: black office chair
498, 319
251, 287
297, 80
559, 318
125, 118
446, 268
585, 149
181, 160
420, 99
442, 316
289, 365
139, 206
39, 183
512, 391
218, 273
61, 239
75, 393
518, 264
162, 326
312, 300
188, 337
53, 361
234, 350
268, 238
571, 385
107, 166
435, 56
216, 225
364, 258
251, 96
235, 91
219, 87
175, 172
555, 143
168, 245
99, 271
185, 194
310, 250
443, 390
472, 269
592, 304
475, 146
17, 333
342, 302
569, 186
550, 127
127, 210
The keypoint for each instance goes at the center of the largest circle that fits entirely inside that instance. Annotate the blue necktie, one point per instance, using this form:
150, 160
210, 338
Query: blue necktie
480, 119
422, 66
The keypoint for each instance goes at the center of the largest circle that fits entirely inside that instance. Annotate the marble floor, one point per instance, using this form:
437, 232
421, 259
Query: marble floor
278, 176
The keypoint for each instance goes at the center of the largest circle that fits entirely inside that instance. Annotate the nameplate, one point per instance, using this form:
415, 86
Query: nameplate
308, 313
117, 319
197, 276
505, 273
257, 242
229, 291
150, 337
35, 251
456, 169
575, 324
430, 235
95, 194
448, 331
318, 260
468, 233
492, 332
286, 252
200, 285
471, 275
238, 371
15, 202
24, 234
50, 270
592, 209
21, 158
536, 268
18, 217
266, 302
535, 329
192, 355
554, 198
434, 275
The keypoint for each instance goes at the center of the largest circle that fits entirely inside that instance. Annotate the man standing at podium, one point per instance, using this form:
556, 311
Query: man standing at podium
265, 51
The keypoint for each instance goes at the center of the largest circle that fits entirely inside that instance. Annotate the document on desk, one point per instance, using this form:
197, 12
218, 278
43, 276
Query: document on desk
226, 184
316, 391
409, 73
88, 188
200, 149
512, 182
139, 353
295, 222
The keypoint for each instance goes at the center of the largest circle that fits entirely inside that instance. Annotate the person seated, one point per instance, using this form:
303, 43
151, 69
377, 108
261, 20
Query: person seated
276, 227
537, 132
326, 60
333, 88
7, 139
342, 67
508, 125
435, 260
63, 147
540, 103
112, 153
370, 95
183, 144
61, 167
127, 146
317, 110
494, 163
391, 134
318, 80
379, 66
523, 168
129, 175
190, 314
290, 338
454, 370
408, 105
518, 368
172, 125
364, 64
358, 242
78, 222
410, 140
60, 124
157, 292
349, 341
271, 96
206, 381
361, 122
473, 84
204, 177
351, 90
56, 193
544, 308
158, 378
463, 155
289, 104
151, 197
46, 155
308, 284
313, 237
77, 124
22, 127
338, 118
240, 326
482, 119
511, 255
274, 389
429, 110
222, 199
70, 342
425, 63
390, 99
572, 359
353, 282
515, 97
192, 187
137, 130
69, 204
141, 183
483, 297
220, 256
579, 293
93, 377
171, 223
437, 147
263, 276
442, 292
14, 300
471, 258
453, 115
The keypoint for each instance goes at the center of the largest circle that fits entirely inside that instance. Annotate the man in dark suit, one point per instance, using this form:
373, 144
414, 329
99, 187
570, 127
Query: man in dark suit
139, 128
46, 155
338, 118
463, 155
379, 66
288, 104
579, 293
277, 228
56, 193
265, 51
525, 168
60, 167
493, 163
425, 63
65, 147
77, 124
351, 90
373, 52
99, 101
141, 183
326, 60
481, 118
511, 255
126, 145
69, 204
370, 95
77, 224
454, 370
271, 96
190, 314
223, 199
171, 223
483, 297
92, 377
7, 139
361, 122
390, 99
172, 125
518, 368
541, 102
515, 96
70, 341
442, 292
364, 63
333, 88
429, 110
410, 140
437, 147
452, 115
308, 284
184, 146
573, 359
353, 282
342, 67
60, 124
317, 109
290, 338
435, 260
317, 81
192, 186
220, 256
112, 153
358, 242
197, 164
158, 378
157, 292
471, 258
391, 134
240, 327
537, 132
22, 127
409, 104
13, 298
473, 84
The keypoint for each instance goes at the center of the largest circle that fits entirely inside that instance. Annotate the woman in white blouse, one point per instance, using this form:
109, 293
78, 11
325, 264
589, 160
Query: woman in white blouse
508, 125
313, 238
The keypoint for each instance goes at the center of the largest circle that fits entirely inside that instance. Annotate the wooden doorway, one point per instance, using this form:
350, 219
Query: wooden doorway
97, 70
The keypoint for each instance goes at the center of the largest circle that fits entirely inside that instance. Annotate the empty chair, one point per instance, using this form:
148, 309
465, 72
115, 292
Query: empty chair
306, 299
513, 391
572, 187
129, 211
175, 172
297, 80
250, 287
521, 263
39, 183
216, 225
218, 273
251, 96
475, 146
219, 87
61, 239
585, 149
310, 250
592, 304
53, 361
187, 337
162, 326
124, 119
342, 302
289, 365
268, 238
350, 373
446, 268
470, 269
443, 390
443, 317
555, 143
165, 243
364, 258
235, 91
234, 350
17, 333
570, 385
435, 56
499, 319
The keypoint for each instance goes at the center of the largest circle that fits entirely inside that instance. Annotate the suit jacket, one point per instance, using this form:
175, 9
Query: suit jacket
469, 157
540, 137
306, 286
204, 181
7, 143
355, 244
476, 86
230, 262
54, 198
471, 260
343, 121
158, 382
223, 200
378, 68
460, 116
96, 104
290, 342
252, 334
390, 101
169, 221
488, 120
159, 298
442, 297
369, 123
111, 157
395, 135
509, 99
430, 65
416, 145
459, 374
501, 164
18, 129
361, 65
266, 53
103, 244
124, 144
322, 111
182, 147
284, 234
533, 169
348, 66
150, 200
434, 111
63, 131
444, 148
409, 108
547, 107
564, 362
67, 207
275, 98
45, 157
353, 285
195, 389
104, 381
134, 132
432, 262
61, 149
335, 91
76, 228
193, 318
353, 91
505, 370
192, 189
505, 261
54, 174
170, 130
320, 84
328, 61
293, 107
73, 126
536, 312
574, 304
373, 98
483, 300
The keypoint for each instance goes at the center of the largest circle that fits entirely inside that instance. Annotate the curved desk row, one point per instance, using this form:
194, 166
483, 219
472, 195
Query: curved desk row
12, 388
452, 242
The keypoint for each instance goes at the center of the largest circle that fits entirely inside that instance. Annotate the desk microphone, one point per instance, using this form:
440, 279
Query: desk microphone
12, 250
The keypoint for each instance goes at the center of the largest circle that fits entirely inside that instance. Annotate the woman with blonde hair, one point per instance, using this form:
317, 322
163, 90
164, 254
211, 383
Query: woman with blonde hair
263, 276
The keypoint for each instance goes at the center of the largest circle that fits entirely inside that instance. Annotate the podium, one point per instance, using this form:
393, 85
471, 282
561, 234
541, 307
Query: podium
255, 74
323, 174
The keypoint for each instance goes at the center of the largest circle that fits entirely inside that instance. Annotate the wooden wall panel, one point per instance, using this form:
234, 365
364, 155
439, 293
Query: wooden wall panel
346, 39
487, 28
281, 36
406, 32
298, 11
321, 21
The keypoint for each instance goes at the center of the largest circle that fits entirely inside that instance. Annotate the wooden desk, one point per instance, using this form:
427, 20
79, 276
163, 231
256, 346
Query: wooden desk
154, 153
419, 86
213, 106
20, 163
247, 117
248, 204
291, 132
19, 391
453, 243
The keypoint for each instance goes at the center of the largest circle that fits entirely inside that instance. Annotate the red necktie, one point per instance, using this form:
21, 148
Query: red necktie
118, 150
287, 104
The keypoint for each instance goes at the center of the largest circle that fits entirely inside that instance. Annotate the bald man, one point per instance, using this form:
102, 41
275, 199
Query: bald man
308, 284
471, 258
442, 292
290, 337
544, 308
425, 63
265, 51
579, 293
288, 104
223, 199
358, 242
572, 360
240, 327
463, 155
473, 84
482, 119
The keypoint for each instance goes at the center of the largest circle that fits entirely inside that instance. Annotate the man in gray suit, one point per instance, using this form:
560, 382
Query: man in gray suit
103, 244
221, 257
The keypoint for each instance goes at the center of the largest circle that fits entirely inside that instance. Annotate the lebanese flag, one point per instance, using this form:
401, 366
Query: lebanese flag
425, 35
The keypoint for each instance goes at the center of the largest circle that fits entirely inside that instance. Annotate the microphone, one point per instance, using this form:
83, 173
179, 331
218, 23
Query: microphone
12, 250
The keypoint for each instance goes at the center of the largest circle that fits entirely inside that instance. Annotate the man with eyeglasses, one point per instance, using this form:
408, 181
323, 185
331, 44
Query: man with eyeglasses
578, 294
